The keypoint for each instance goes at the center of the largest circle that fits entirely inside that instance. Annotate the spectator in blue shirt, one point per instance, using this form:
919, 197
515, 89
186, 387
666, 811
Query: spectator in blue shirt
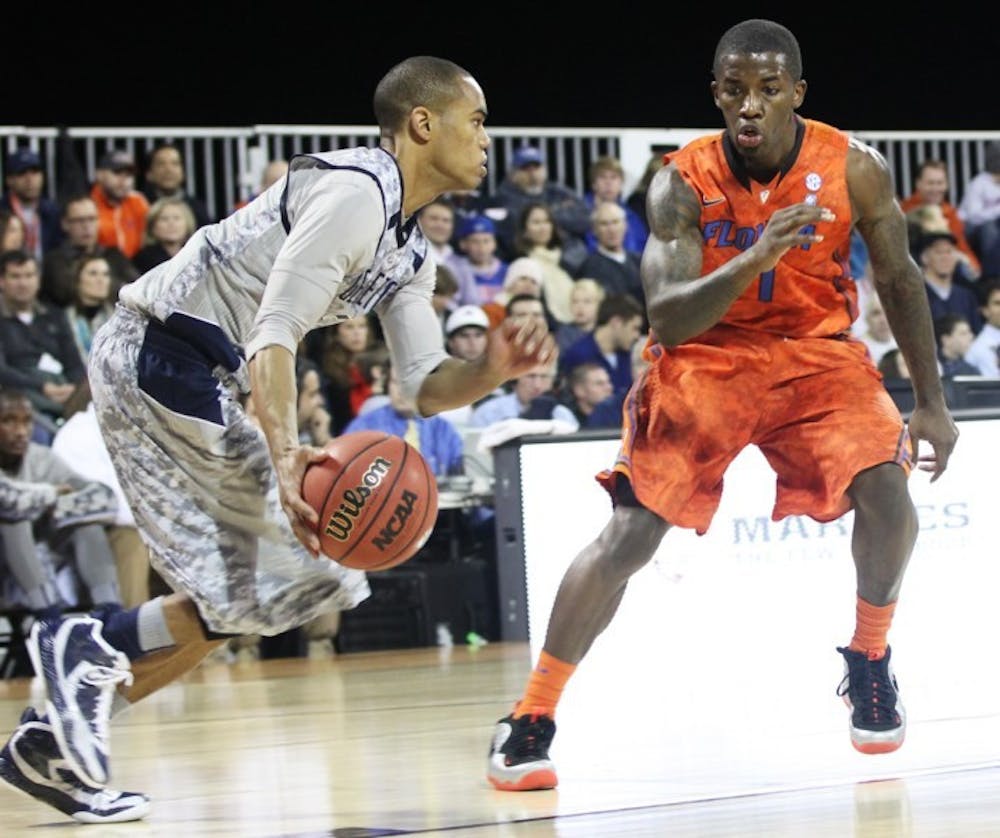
434, 437
619, 322
606, 176
937, 255
954, 339
522, 400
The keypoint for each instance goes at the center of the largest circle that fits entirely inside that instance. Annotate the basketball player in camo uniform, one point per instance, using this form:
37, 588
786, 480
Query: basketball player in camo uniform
218, 503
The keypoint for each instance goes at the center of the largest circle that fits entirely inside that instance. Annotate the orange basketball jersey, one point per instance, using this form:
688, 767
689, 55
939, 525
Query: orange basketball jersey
810, 293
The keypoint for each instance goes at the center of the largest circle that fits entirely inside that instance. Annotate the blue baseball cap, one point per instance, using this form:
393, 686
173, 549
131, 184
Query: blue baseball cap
476, 224
22, 160
526, 155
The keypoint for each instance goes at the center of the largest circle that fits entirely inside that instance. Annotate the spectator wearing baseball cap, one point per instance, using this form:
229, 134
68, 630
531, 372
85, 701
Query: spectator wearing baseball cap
526, 156
476, 224
929, 202
22, 160
937, 255
122, 209
479, 271
24, 176
527, 180
465, 332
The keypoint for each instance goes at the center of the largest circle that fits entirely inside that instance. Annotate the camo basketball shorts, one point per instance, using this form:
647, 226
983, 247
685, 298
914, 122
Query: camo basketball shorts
200, 483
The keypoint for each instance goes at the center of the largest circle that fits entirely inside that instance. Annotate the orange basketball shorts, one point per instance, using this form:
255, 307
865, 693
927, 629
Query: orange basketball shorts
816, 408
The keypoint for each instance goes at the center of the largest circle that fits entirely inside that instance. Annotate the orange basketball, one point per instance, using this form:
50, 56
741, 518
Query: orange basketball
376, 498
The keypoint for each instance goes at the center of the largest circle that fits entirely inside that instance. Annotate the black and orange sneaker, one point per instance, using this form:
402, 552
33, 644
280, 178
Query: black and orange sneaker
869, 688
519, 754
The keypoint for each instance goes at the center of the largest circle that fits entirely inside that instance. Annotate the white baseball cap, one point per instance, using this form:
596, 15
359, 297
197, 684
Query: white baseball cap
466, 316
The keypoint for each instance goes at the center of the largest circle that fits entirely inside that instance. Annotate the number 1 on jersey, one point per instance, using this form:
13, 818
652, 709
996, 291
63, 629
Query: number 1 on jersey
765, 291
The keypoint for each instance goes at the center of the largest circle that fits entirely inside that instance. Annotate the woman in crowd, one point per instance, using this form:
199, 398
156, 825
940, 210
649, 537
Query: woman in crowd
92, 305
538, 236
169, 225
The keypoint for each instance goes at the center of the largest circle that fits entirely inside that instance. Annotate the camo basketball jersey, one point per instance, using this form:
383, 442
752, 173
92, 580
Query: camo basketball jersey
810, 292
215, 285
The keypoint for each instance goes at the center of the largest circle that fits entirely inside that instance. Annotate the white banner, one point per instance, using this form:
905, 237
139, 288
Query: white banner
725, 630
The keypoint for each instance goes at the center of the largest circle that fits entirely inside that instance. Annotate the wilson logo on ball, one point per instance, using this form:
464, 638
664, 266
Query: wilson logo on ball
375, 498
394, 526
341, 522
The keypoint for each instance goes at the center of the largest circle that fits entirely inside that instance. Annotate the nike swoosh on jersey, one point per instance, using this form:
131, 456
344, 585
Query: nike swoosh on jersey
711, 202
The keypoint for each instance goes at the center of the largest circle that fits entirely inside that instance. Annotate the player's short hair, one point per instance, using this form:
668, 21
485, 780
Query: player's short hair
758, 35
419, 80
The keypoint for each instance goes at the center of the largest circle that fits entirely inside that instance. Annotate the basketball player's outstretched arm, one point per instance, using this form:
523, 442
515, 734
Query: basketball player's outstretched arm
439, 382
511, 351
900, 288
681, 303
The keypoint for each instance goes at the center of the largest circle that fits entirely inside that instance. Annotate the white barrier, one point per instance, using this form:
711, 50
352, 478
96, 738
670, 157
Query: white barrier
722, 652
224, 164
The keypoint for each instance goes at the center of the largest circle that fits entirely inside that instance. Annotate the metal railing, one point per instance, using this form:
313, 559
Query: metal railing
963, 153
224, 165
568, 153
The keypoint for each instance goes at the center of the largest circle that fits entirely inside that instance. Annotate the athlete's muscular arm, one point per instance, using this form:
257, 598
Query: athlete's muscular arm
511, 351
900, 287
680, 302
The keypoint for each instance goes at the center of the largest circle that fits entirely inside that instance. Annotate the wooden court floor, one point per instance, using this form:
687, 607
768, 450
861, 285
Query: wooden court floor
394, 743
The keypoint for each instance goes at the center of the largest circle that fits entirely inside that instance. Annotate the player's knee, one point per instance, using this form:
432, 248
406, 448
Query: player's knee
631, 537
882, 491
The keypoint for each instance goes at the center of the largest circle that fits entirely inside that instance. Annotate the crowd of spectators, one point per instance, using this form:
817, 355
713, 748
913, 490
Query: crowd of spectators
535, 248
958, 251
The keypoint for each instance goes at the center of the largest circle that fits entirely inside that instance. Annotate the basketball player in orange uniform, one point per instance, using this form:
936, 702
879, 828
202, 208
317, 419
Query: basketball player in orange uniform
750, 301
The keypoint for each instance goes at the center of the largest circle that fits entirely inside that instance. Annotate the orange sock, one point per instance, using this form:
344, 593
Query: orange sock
871, 628
545, 686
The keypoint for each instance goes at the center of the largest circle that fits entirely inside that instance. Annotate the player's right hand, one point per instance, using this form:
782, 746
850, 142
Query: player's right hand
517, 348
794, 226
290, 468
933, 424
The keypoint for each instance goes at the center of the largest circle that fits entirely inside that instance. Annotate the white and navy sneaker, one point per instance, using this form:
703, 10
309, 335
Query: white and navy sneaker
869, 688
519, 754
80, 671
31, 763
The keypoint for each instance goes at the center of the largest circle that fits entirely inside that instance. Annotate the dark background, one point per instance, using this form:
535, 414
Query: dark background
227, 64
